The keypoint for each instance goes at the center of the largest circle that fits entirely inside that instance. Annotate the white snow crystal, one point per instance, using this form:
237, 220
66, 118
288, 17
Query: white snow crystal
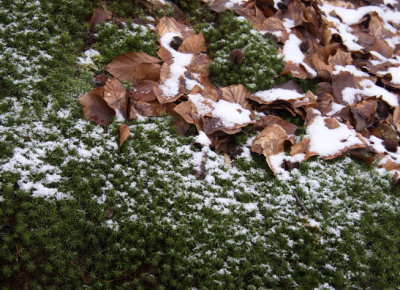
293, 53
326, 142
170, 87
278, 94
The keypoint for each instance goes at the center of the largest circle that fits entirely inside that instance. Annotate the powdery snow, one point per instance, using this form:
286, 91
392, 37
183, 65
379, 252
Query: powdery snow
395, 72
351, 69
230, 114
87, 59
369, 89
203, 139
328, 142
353, 16
277, 160
293, 53
278, 94
170, 87
232, 3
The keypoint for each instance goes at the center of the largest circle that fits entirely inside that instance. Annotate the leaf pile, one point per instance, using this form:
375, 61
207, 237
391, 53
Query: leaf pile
352, 49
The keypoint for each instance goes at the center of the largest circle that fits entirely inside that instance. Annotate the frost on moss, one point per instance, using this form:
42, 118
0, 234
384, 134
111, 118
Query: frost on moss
260, 65
112, 40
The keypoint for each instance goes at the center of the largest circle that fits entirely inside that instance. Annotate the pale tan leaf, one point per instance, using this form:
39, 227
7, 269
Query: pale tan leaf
115, 94
194, 44
134, 67
169, 24
236, 94
124, 133
270, 141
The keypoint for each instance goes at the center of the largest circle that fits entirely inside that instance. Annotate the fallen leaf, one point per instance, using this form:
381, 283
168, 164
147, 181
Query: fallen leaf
143, 91
270, 141
396, 117
236, 94
180, 124
124, 133
266, 121
134, 67
115, 95
184, 109
169, 24
153, 109
100, 14
331, 123
96, 109
194, 44
363, 113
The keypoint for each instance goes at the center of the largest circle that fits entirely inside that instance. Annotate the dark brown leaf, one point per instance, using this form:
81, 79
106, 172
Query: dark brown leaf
96, 109
100, 14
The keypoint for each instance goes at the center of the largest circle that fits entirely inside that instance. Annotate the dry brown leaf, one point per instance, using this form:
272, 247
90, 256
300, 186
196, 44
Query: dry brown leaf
300, 147
267, 7
236, 94
363, 113
341, 57
340, 82
143, 91
134, 67
267, 121
331, 123
115, 95
212, 125
390, 165
296, 70
169, 24
274, 26
323, 69
180, 124
293, 12
184, 109
199, 64
386, 132
153, 109
270, 141
124, 133
96, 109
100, 14
194, 44
396, 117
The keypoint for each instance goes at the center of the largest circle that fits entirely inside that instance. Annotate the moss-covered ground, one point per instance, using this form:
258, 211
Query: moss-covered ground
77, 212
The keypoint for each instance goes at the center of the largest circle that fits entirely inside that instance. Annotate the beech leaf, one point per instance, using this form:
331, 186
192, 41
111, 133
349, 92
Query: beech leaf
124, 133
134, 67
100, 14
115, 94
96, 109
194, 44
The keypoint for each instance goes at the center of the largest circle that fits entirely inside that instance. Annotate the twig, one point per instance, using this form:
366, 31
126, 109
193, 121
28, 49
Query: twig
300, 203
201, 173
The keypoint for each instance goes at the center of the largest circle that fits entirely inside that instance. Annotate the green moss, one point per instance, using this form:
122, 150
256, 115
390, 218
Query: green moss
224, 33
113, 41
260, 65
137, 217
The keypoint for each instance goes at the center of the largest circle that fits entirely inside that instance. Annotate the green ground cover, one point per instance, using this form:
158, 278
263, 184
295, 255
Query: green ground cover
75, 211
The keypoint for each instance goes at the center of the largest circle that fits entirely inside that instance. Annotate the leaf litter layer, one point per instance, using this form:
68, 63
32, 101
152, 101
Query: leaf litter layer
354, 109
79, 212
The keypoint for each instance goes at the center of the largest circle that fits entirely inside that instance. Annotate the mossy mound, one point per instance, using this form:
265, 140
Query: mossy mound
257, 66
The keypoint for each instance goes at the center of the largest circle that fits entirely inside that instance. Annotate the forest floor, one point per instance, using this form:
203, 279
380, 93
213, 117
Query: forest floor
76, 210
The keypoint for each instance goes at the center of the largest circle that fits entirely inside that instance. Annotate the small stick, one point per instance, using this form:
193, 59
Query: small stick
300, 203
